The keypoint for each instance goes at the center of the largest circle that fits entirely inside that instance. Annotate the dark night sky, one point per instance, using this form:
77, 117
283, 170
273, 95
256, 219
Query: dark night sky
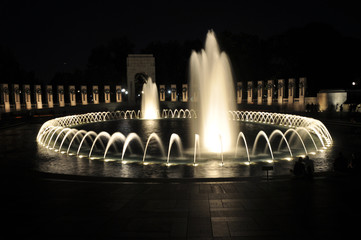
45, 34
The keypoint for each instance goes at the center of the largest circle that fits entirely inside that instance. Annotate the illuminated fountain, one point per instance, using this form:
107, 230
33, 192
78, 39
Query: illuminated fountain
212, 84
212, 126
150, 102
62, 135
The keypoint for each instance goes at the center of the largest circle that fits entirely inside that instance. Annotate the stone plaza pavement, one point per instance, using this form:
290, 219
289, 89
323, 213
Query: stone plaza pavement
48, 206
55, 207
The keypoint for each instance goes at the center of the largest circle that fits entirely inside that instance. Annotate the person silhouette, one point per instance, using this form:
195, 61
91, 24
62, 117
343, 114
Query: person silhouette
340, 163
309, 167
299, 168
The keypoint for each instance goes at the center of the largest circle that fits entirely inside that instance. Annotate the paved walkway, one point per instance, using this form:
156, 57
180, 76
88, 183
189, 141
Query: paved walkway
81, 208
53, 207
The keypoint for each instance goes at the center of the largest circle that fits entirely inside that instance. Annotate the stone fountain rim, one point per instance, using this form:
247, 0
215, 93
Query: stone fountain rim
288, 120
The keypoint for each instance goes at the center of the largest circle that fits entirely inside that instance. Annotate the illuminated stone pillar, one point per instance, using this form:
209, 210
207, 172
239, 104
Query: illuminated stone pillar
302, 90
185, 92
38, 97
259, 92
95, 94
61, 96
291, 90
106, 93
72, 95
5, 96
17, 102
84, 94
162, 93
281, 90
239, 92
118, 92
270, 89
249, 92
173, 96
49, 96
27, 96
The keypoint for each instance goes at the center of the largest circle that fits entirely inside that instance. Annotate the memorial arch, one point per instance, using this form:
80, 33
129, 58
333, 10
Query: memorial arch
138, 66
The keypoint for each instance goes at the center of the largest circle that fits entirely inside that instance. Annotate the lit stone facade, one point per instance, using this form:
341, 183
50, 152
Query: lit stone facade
138, 63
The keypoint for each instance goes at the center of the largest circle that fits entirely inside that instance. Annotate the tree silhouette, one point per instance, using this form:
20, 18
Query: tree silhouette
107, 63
11, 71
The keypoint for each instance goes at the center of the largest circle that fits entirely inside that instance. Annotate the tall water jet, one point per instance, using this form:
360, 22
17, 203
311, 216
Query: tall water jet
212, 88
150, 101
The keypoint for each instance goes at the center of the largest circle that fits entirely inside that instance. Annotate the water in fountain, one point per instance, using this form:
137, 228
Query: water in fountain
150, 102
214, 124
213, 93
285, 136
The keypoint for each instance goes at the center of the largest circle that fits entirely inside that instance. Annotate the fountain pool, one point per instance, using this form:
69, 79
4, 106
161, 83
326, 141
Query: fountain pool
210, 135
124, 138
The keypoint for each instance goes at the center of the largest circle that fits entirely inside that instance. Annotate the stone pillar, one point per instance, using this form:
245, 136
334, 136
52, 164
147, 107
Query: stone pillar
61, 96
106, 93
95, 94
270, 89
27, 96
118, 92
302, 90
281, 90
162, 93
72, 95
185, 92
259, 92
291, 90
249, 92
38, 97
239, 92
17, 102
49, 96
84, 94
173, 96
5, 96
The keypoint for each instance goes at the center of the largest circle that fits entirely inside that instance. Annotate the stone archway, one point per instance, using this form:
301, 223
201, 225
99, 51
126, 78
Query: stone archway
139, 66
139, 80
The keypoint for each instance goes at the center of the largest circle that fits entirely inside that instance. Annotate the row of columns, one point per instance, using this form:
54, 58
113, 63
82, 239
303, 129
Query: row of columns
270, 87
262, 86
173, 93
5, 95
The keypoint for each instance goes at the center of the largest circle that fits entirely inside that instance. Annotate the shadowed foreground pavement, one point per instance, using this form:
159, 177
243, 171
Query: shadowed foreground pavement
81, 208
44, 206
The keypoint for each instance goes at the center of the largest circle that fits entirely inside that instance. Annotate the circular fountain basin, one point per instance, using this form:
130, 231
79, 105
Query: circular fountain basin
121, 145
